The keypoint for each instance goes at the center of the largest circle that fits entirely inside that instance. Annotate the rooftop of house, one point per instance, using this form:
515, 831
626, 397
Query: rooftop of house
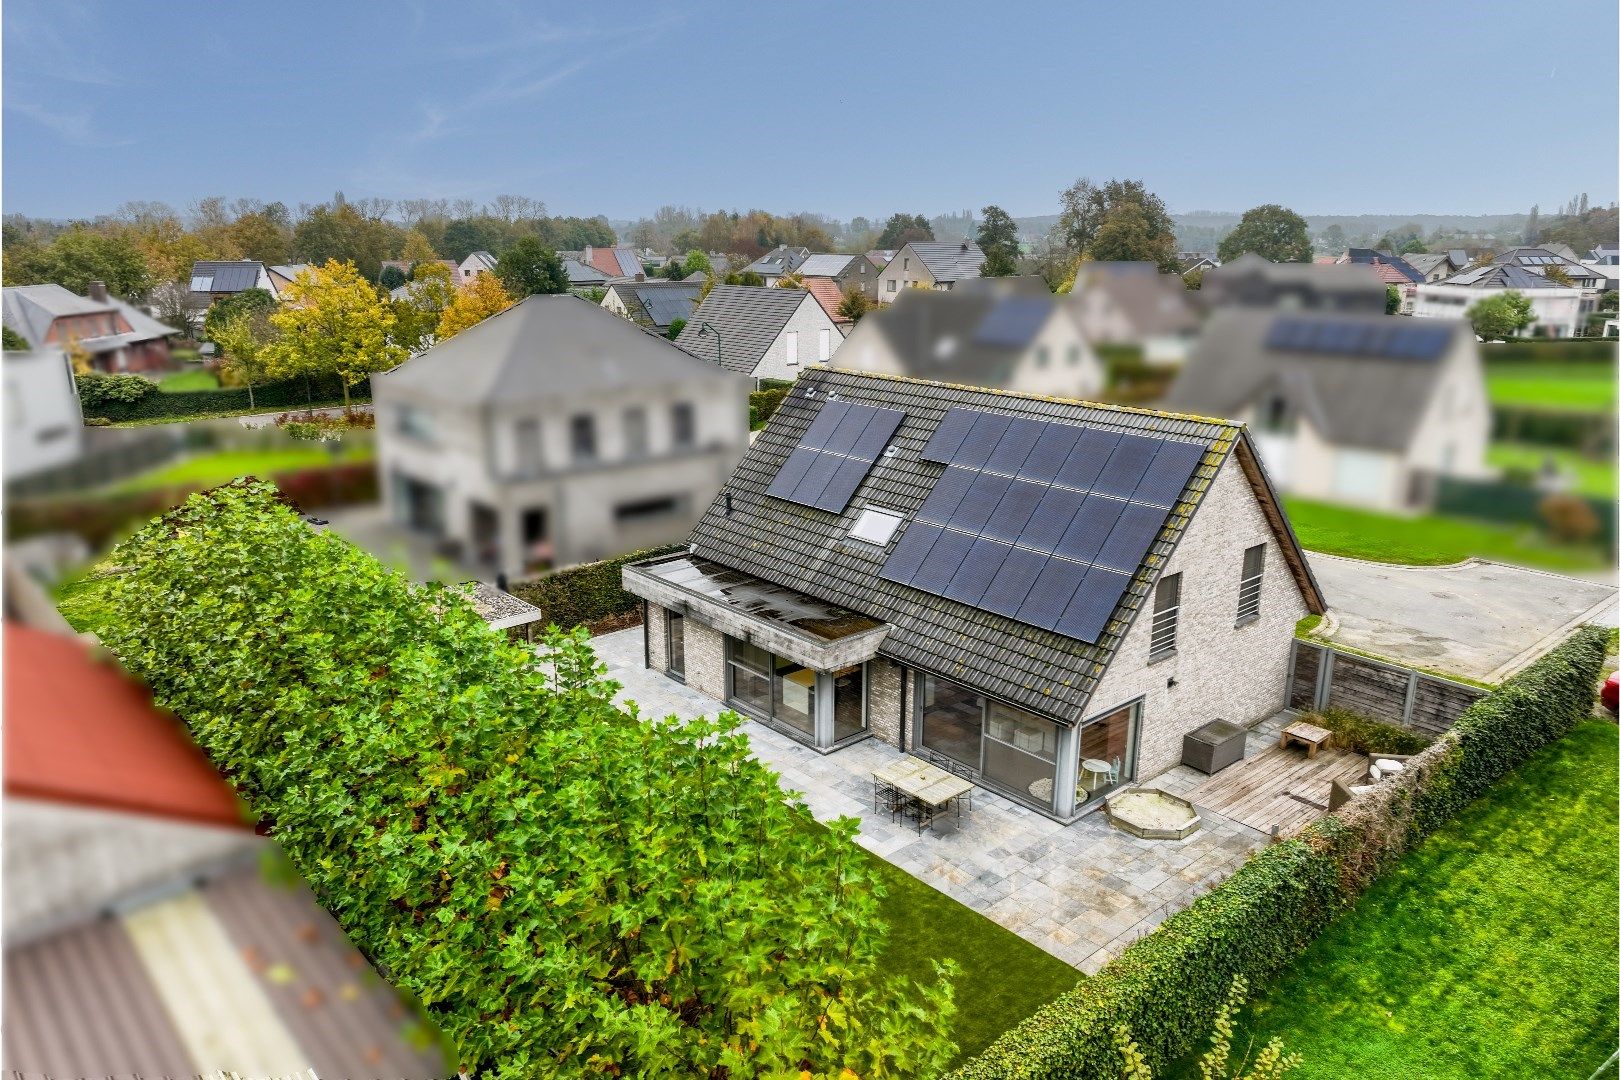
746, 318
544, 347
1155, 304
582, 273
615, 262
480, 259
658, 302
214, 276
1383, 262
31, 309
1362, 380
779, 260
292, 270
973, 336
1022, 476
825, 265
1426, 262
1501, 276
1336, 277
949, 260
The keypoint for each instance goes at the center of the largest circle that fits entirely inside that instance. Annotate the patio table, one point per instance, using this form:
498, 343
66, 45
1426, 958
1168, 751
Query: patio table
925, 789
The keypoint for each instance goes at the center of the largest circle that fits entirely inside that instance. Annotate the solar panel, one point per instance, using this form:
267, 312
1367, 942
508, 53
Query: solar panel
1352, 337
915, 544
942, 562
1012, 582
1089, 529
1013, 448
1087, 614
1131, 535
1167, 476
1049, 596
947, 495
1051, 519
1050, 452
1012, 514
948, 436
988, 428
1013, 322
1126, 465
834, 455
978, 568
980, 502
1087, 459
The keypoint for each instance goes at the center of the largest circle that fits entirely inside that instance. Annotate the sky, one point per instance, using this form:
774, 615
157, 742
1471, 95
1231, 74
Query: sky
857, 109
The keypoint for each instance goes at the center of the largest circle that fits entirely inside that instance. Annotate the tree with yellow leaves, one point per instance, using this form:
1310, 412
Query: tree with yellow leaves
474, 302
332, 321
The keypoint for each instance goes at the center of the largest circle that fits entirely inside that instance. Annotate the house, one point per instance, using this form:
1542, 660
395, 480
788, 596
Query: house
1557, 310
1019, 342
828, 295
777, 263
1604, 255
1365, 409
115, 336
283, 274
763, 333
1252, 281
479, 262
880, 257
1396, 270
213, 279
929, 264
653, 305
619, 263
1192, 262
1436, 265
1147, 309
1538, 260
844, 271
583, 276
1040, 595
554, 433
44, 426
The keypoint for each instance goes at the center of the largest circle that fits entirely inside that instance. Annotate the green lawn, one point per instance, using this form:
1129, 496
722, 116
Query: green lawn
1593, 476
1581, 386
1003, 978
1488, 951
208, 470
1429, 540
199, 379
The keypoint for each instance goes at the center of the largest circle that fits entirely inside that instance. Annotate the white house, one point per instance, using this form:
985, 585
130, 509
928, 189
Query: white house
479, 262
763, 333
1557, 310
929, 264
44, 427
1137, 306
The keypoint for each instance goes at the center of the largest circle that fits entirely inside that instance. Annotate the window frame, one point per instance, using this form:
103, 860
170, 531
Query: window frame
1250, 585
586, 448
683, 424
1166, 617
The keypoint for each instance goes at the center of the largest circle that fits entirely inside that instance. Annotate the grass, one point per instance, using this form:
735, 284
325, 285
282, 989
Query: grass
208, 470
183, 381
1564, 385
1488, 951
1002, 977
1430, 540
1592, 476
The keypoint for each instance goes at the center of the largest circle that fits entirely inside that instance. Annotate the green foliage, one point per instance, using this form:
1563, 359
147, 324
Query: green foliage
341, 232
1392, 300
569, 889
998, 239
1146, 233
392, 277
1271, 231
675, 328
529, 268
854, 304
76, 258
696, 262
582, 595
1129, 234
13, 340
1501, 316
98, 391
189, 404
762, 405
97, 421
1169, 987
902, 229
1364, 735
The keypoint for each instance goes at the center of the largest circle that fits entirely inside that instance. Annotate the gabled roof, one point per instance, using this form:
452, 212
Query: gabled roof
825, 265
481, 259
1404, 272
1501, 276
828, 295
748, 318
939, 335
810, 551
948, 261
31, 309
544, 347
580, 273
1425, 262
1356, 397
779, 260
618, 262
227, 277
657, 303
880, 257
292, 270
1155, 304
142, 326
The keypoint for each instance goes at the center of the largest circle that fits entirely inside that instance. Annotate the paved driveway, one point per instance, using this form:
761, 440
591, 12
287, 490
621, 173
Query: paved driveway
1480, 619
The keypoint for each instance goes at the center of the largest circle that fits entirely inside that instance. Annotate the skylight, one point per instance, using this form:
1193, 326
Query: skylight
875, 526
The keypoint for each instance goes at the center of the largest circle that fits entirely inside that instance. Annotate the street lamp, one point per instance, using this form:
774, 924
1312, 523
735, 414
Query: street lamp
704, 330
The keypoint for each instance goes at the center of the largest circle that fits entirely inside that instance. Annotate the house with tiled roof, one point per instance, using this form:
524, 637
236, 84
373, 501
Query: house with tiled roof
1557, 310
1251, 280
777, 263
1357, 408
653, 305
929, 264
116, 335
831, 298
844, 271
617, 263
1134, 304
761, 332
1040, 595
1436, 265
212, 279
1001, 338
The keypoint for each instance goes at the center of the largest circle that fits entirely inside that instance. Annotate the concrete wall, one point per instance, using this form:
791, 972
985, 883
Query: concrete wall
1221, 670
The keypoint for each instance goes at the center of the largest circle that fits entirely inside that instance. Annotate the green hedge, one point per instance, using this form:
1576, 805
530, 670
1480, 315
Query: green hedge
1167, 987
762, 405
1563, 350
286, 394
584, 594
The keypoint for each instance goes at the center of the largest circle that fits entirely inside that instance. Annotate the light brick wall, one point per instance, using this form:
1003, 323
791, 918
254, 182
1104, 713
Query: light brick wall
1235, 673
883, 699
705, 659
657, 646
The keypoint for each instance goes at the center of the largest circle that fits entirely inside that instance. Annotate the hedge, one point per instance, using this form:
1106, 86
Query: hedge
762, 405
1167, 987
1532, 350
585, 594
286, 394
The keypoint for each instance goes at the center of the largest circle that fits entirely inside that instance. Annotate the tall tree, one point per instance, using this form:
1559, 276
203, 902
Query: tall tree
1129, 234
341, 233
257, 302
79, 256
474, 302
332, 321
528, 268
1532, 225
1270, 231
1088, 207
417, 314
416, 248
1333, 241
998, 239
902, 229
245, 339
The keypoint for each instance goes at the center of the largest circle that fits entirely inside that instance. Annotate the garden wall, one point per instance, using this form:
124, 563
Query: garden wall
592, 594
1322, 677
1167, 987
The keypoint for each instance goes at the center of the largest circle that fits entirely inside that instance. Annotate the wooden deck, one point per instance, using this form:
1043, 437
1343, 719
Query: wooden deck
1277, 788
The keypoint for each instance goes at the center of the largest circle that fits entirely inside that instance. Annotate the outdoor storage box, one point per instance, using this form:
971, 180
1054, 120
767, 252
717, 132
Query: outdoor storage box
1212, 747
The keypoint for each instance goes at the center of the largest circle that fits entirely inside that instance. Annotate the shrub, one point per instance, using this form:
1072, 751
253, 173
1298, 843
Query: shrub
97, 390
762, 405
1364, 735
1167, 988
284, 394
1569, 518
582, 595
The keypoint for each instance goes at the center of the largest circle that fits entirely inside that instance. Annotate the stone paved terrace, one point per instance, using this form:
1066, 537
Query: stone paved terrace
1081, 892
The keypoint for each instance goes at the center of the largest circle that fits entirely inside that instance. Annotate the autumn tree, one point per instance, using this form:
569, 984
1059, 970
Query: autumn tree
416, 248
1148, 235
341, 233
79, 256
1128, 234
855, 303
332, 321
528, 268
263, 234
998, 239
245, 338
417, 313
1272, 232
902, 229
249, 301
472, 303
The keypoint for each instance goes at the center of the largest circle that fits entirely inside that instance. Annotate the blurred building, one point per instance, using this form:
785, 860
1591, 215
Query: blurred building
762, 333
114, 336
1557, 310
44, 427
1001, 339
1251, 281
1437, 265
554, 433
1365, 409
1133, 304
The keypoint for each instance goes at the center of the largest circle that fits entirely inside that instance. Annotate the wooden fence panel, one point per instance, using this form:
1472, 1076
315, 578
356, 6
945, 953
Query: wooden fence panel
1370, 689
1307, 664
1375, 689
1437, 704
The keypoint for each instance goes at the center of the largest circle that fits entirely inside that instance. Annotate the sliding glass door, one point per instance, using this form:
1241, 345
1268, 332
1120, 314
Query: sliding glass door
1020, 753
1107, 753
952, 720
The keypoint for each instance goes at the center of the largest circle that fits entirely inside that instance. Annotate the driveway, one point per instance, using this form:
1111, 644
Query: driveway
1478, 619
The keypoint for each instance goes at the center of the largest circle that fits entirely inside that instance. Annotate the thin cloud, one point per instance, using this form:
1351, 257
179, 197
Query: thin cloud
74, 126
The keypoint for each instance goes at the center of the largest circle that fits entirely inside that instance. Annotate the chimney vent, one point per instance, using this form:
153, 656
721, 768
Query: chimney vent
98, 291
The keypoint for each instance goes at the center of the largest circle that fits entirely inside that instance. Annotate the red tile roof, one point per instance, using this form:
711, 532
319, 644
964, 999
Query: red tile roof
827, 294
79, 730
1391, 275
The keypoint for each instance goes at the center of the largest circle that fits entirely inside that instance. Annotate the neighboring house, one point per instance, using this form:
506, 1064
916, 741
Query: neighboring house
1436, 265
117, 336
929, 264
1112, 580
831, 298
582, 275
554, 433
617, 264
1394, 269
777, 263
1252, 281
844, 271
1196, 261
880, 257
1538, 260
1604, 255
1028, 344
653, 305
479, 262
1149, 310
1557, 310
763, 333
401, 265
283, 274
44, 426
211, 280
1365, 409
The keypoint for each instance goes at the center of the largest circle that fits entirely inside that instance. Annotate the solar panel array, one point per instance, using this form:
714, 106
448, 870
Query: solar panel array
1013, 322
664, 306
1395, 339
834, 455
1039, 521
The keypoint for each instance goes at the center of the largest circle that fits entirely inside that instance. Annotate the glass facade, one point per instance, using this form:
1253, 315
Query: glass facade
952, 719
676, 661
849, 702
1020, 753
1107, 753
770, 686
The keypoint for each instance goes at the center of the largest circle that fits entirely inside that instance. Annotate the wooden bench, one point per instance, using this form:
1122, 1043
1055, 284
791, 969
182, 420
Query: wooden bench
1311, 737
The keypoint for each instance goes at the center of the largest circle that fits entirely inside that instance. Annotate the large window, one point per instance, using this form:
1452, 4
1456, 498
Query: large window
582, 437
1020, 752
774, 687
1166, 613
1107, 754
1254, 568
952, 720
684, 423
675, 659
849, 702
527, 436
635, 432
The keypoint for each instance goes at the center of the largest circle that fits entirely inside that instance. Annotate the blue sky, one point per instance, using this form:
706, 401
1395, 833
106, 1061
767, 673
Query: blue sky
866, 108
